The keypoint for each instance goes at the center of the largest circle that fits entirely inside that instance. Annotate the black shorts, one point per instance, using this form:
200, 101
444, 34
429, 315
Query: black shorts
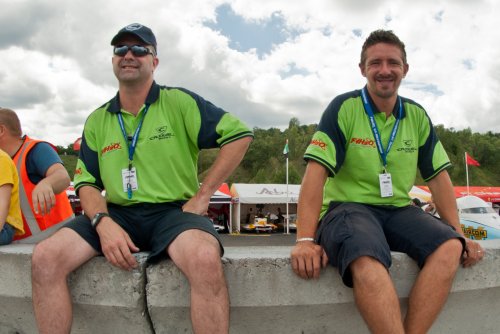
151, 227
351, 230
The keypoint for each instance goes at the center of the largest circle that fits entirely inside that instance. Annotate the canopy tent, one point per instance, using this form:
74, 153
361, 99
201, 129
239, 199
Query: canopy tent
77, 144
220, 208
421, 194
265, 193
488, 194
222, 195
243, 193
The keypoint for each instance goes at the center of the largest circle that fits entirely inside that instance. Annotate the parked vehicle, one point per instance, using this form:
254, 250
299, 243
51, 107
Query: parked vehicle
260, 225
478, 219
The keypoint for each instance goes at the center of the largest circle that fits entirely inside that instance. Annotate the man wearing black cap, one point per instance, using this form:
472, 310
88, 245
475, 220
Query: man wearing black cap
142, 148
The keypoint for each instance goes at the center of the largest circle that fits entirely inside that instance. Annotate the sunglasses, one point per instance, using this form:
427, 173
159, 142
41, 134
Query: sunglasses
137, 50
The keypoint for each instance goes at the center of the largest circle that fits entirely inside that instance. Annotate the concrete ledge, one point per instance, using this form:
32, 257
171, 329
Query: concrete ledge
106, 300
266, 297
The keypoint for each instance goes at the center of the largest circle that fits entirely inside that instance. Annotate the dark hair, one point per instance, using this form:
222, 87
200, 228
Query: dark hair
382, 36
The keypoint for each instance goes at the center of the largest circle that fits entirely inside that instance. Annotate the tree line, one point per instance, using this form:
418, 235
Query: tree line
265, 162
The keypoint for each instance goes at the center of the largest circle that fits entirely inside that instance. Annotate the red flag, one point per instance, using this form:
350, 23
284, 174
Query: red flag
470, 161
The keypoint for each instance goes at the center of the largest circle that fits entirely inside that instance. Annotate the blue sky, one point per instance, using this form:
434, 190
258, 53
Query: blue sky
244, 35
265, 60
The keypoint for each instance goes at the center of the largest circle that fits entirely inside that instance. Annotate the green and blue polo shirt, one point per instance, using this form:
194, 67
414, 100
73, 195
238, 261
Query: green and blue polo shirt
177, 125
344, 144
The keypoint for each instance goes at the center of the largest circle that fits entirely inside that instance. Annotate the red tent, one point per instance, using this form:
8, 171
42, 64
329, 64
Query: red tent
76, 144
488, 194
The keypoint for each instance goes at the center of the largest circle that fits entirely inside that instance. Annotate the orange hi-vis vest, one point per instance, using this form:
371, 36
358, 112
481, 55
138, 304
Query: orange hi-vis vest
37, 226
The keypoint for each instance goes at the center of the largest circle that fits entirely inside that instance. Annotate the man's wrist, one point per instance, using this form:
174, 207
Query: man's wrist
98, 218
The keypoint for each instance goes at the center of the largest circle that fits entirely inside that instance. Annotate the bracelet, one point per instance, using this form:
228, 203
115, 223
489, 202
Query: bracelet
305, 239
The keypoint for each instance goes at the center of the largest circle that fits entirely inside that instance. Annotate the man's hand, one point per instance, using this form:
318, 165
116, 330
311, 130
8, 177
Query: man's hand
116, 244
197, 205
473, 253
307, 259
43, 197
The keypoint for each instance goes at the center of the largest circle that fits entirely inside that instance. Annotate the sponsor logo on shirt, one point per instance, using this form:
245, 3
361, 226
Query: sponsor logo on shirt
78, 171
366, 142
408, 146
321, 144
161, 133
111, 147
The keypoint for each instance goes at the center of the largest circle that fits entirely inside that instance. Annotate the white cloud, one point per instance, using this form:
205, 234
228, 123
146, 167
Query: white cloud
56, 58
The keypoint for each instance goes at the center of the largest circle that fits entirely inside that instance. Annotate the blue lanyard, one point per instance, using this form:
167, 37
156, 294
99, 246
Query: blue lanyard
383, 153
133, 144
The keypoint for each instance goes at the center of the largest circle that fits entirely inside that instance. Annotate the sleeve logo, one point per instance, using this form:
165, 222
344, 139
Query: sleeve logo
321, 144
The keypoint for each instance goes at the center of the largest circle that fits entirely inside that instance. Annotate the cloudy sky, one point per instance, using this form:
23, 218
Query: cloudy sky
264, 60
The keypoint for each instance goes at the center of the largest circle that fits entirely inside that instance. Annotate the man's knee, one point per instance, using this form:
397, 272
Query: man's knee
45, 261
448, 254
205, 264
367, 269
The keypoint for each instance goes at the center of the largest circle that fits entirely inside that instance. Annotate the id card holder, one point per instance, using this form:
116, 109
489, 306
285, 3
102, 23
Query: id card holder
385, 180
129, 179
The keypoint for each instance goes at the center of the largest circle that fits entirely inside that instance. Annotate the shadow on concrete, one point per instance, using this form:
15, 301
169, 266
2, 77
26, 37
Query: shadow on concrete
247, 239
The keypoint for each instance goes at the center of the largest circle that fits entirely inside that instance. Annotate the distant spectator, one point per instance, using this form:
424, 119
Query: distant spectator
10, 211
431, 207
43, 180
416, 202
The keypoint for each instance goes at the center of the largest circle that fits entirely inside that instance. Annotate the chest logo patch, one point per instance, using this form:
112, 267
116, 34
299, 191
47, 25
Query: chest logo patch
363, 142
161, 133
111, 147
407, 146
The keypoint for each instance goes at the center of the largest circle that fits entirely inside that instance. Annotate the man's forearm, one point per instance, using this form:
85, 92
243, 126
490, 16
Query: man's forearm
92, 201
444, 199
229, 157
58, 178
310, 200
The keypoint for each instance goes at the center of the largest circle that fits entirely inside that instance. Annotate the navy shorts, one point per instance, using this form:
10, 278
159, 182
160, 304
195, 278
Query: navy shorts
351, 230
151, 227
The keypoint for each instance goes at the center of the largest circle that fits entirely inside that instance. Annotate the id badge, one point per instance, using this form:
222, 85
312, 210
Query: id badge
129, 177
385, 185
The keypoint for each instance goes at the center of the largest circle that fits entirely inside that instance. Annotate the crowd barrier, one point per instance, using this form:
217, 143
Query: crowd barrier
266, 297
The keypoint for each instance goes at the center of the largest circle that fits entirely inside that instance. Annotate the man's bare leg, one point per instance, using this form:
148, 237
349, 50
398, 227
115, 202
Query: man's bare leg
432, 287
53, 259
197, 254
375, 296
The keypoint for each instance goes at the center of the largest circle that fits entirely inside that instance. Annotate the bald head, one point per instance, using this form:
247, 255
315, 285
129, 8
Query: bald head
9, 119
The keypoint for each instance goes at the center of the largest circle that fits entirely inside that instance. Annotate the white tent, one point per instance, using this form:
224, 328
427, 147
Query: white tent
420, 193
243, 193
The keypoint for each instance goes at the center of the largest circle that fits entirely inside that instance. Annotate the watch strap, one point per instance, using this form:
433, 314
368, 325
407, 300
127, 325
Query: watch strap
97, 218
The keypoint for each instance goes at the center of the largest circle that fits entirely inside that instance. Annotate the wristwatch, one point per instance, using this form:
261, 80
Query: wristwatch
97, 218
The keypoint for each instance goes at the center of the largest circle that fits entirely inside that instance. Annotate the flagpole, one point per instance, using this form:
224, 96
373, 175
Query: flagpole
467, 173
287, 198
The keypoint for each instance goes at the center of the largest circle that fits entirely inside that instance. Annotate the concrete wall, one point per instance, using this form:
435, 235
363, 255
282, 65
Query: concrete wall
266, 297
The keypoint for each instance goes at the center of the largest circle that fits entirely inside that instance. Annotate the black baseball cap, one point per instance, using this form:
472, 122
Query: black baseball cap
136, 29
